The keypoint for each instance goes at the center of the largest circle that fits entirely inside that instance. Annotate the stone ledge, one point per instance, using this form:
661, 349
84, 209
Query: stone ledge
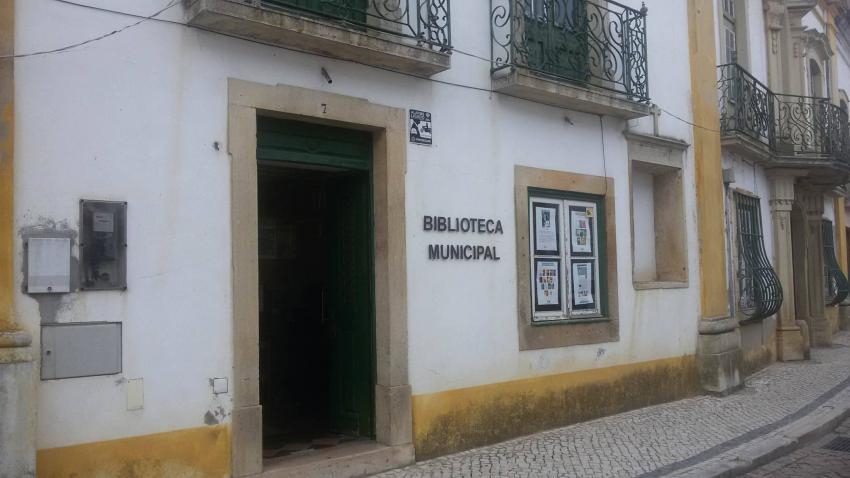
15, 347
746, 146
348, 460
820, 170
15, 339
312, 35
520, 82
650, 285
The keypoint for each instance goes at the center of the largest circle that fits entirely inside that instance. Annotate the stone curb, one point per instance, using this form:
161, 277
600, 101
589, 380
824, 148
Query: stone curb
767, 448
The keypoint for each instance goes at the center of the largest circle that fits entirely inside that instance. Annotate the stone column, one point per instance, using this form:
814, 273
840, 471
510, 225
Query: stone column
789, 337
820, 328
777, 41
17, 372
719, 343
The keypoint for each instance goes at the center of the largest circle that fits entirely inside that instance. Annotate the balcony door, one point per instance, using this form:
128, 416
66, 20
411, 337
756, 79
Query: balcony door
350, 10
556, 35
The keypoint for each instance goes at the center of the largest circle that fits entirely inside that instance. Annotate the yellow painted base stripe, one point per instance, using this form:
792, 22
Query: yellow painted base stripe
459, 419
192, 453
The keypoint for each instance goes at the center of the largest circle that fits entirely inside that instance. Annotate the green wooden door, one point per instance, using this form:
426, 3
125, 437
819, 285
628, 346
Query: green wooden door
555, 34
351, 10
349, 305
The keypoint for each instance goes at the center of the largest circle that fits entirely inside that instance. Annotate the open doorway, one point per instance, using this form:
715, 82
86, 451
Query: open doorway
316, 286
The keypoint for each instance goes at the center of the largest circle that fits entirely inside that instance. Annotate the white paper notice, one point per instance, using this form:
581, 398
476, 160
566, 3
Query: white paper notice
545, 232
103, 222
580, 224
582, 283
547, 283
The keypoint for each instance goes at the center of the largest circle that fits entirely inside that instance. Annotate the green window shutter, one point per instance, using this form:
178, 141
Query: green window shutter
296, 142
349, 10
556, 37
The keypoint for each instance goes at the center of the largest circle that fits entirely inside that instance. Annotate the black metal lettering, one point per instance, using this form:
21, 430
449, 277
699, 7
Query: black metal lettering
433, 252
428, 223
450, 224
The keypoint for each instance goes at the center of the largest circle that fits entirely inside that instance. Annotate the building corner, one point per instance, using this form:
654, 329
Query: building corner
17, 368
719, 353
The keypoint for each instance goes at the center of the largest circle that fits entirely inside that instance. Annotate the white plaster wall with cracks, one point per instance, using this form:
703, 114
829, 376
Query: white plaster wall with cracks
144, 110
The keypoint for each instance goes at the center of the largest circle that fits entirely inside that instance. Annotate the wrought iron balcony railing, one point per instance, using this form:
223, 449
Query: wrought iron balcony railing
789, 125
745, 105
809, 125
585, 41
426, 21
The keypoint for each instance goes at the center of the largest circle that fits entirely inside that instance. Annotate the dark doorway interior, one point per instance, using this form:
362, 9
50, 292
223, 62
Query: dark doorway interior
316, 332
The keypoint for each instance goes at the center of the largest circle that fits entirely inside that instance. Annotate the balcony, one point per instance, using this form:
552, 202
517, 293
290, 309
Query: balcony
746, 112
409, 36
787, 130
584, 55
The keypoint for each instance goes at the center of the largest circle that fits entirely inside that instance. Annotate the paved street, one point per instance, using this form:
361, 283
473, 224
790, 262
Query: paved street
666, 439
820, 459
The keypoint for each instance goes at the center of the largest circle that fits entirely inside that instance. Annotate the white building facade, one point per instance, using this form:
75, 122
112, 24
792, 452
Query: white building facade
244, 230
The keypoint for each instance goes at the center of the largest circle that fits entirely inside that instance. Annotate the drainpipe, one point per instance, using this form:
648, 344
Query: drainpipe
17, 372
728, 179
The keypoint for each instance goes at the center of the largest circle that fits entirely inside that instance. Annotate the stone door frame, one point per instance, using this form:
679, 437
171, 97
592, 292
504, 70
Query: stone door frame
393, 412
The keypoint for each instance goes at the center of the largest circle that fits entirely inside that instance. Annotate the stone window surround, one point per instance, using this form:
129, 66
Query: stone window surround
663, 155
393, 404
563, 333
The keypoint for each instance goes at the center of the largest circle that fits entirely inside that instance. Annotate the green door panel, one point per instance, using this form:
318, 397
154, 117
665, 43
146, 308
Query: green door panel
348, 300
349, 304
556, 37
297, 142
350, 10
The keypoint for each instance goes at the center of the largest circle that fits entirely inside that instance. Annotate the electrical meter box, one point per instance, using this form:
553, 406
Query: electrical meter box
85, 349
103, 245
48, 265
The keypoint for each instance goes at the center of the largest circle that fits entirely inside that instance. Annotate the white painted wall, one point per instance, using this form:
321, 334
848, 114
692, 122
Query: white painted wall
643, 210
815, 20
134, 117
829, 208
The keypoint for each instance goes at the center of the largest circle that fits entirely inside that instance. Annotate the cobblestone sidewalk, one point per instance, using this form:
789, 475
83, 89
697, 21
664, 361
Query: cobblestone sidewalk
819, 459
663, 439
